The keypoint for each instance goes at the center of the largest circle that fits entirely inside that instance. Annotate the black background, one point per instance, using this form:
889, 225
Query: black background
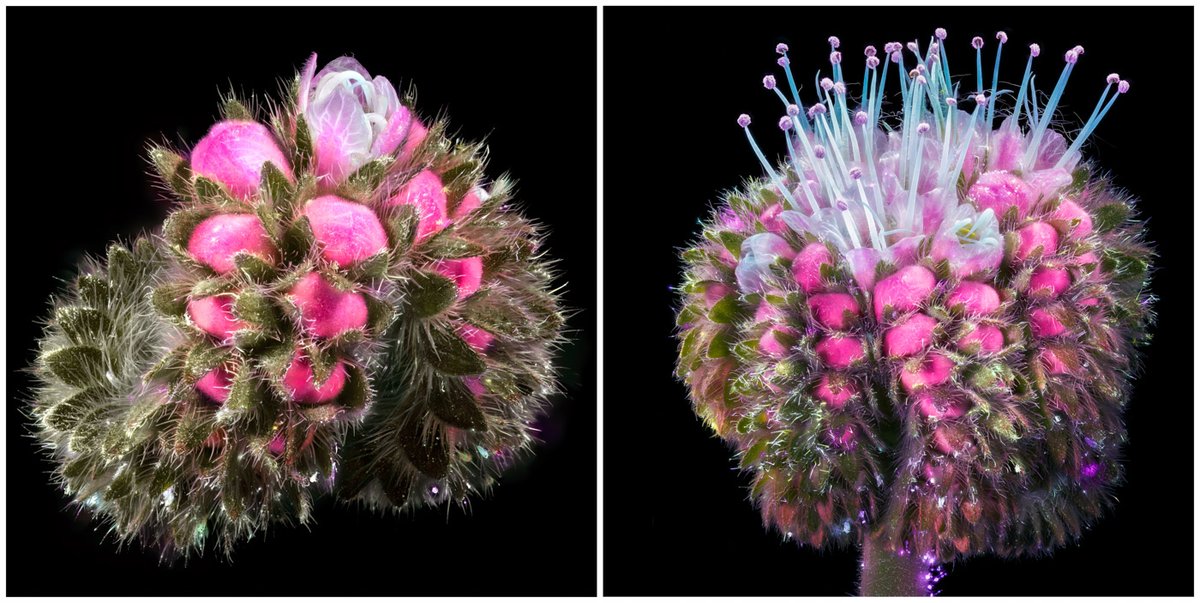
89, 89
677, 516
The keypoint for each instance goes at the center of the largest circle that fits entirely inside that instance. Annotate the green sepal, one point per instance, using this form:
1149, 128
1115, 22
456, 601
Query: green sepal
396, 485
68, 414
173, 169
94, 290
304, 145
297, 240
212, 286
718, 347
276, 359
430, 293
275, 188
372, 268
366, 179
233, 109
500, 316
321, 414
170, 299
169, 368
204, 358
81, 324
178, 228
80, 365
446, 246
323, 361
402, 228
121, 263
426, 451
380, 314
121, 486
255, 268
453, 404
257, 309
1108, 217
733, 242
726, 311
357, 391
244, 392
450, 355
208, 191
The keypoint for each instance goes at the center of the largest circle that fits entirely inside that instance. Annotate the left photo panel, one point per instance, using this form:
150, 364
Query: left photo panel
305, 302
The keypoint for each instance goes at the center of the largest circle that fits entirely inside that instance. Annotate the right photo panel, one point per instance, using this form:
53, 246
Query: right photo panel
897, 301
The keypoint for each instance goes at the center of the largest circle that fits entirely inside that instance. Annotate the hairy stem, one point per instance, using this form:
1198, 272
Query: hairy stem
886, 573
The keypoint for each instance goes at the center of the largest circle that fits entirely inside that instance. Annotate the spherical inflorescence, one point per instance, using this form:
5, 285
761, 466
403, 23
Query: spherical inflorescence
337, 301
921, 333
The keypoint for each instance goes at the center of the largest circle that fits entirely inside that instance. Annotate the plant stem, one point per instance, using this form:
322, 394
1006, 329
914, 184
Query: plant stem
888, 574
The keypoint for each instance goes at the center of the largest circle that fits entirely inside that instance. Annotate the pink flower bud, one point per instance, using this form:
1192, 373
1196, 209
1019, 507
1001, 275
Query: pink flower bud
1032, 236
416, 135
840, 352
1049, 282
1069, 211
910, 336
1045, 324
903, 291
1052, 363
215, 384
324, 310
998, 191
773, 343
937, 406
934, 370
347, 232
278, 444
806, 268
300, 381
766, 311
217, 239
834, 310
950, 439
470, 202
467, 273
426, 193
985, 339
233, 153
714, 293
476, 337
835, 390
214, 315
973, 299
475, 386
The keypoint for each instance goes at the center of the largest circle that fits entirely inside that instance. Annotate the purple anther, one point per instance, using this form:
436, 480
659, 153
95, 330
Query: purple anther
839, 88
940, 33
977, 42
951, 101
872, 62
980, 100
921, 80
793, 110
1071, 56
826, 84
841, 204
743, 120
860, 118
891, 47
922, 128
912, 46
1078, 50
1034, 50
869, 51
818, 109
855, 173
1123, 87
781, 48
818, 150
782, 61
785, 123
769, 82
1112, 78
895, 56
1003, 37
835, 58
834, 42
